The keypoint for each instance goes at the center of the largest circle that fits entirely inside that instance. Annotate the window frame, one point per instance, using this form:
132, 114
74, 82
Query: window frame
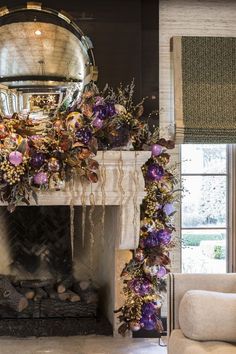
230, 207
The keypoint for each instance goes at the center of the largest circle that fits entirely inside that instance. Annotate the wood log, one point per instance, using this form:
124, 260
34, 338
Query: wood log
27, 292
87, 292
35, 284
73, 296
65, 309
64, 285
40, 294
52, 294
10, 297
64, 296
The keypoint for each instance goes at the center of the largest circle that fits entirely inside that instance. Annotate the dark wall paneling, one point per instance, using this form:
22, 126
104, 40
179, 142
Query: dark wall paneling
125, 38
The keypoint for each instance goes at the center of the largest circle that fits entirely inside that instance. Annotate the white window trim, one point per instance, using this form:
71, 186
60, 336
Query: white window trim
231, 210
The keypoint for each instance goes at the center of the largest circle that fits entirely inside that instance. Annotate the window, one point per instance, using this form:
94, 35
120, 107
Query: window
4, 103
204, 210
14, 102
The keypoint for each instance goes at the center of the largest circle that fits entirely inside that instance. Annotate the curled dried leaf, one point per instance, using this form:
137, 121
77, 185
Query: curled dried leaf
92, 176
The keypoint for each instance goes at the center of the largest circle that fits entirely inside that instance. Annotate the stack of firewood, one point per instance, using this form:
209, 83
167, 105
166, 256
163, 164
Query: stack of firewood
17, 294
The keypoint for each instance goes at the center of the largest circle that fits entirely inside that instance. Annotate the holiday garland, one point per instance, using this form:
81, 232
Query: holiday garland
144, 275
44, 155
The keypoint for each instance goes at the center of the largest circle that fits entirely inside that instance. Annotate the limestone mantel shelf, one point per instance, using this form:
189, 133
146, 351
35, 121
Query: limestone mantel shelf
120, 184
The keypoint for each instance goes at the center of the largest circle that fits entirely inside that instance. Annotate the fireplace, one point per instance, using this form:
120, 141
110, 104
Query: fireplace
65, 255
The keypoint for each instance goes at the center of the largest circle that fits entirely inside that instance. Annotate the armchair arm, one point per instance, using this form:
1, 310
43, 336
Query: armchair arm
178, 284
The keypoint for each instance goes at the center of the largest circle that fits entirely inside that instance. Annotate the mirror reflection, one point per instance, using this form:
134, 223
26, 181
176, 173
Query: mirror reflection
45, 60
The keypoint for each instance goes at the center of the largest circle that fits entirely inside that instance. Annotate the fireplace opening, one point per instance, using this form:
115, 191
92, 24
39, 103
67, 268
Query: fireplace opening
55, 279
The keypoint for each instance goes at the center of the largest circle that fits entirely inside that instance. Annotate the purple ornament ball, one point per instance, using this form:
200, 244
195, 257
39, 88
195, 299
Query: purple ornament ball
97, 123
164, 237
40, 178
37, 160
149, 322
155, 172
15, 158
140, 286
161, 272
156, 149
148, 308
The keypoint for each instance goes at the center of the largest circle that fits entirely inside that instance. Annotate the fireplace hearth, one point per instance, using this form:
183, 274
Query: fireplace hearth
40, 295
44, 308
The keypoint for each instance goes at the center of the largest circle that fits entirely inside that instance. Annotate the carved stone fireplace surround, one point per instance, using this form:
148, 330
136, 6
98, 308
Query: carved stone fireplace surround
121, 189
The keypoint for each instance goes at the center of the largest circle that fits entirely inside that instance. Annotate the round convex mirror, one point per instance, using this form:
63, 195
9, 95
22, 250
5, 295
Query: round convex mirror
45, 60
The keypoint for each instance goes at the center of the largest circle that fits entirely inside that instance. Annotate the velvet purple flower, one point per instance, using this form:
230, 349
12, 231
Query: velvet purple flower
151, 240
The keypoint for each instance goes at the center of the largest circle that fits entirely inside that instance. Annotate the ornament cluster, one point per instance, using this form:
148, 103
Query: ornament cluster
37, 155
144, 275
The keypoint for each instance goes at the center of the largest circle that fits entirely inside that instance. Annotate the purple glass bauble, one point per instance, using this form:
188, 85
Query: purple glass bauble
15, 158
37, 160
168, 209
40, 178
140, 286
97, 123
155, 172
148, 308
149, 322
156, 149
84, 135
161, 272
164, 237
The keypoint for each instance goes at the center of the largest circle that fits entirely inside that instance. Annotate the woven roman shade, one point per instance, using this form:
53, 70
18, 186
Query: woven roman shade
204, 89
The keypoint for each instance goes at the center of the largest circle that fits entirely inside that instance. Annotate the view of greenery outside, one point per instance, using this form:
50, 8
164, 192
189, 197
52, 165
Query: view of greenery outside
204, 208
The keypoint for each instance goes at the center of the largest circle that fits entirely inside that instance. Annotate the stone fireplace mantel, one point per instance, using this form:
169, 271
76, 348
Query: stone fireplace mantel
120, 184
120, 189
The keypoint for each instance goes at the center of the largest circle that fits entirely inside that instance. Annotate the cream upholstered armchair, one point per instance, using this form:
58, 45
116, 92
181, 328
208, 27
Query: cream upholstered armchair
202, 313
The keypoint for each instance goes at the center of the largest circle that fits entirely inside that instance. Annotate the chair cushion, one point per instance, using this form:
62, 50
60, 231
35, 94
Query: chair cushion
179, 344
208, 315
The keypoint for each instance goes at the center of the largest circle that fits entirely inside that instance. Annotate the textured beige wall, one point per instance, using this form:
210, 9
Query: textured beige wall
188, 18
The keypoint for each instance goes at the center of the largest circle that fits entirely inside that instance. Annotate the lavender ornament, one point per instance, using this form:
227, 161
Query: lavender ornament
15, 158
169, 209
156, 149
41, 178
